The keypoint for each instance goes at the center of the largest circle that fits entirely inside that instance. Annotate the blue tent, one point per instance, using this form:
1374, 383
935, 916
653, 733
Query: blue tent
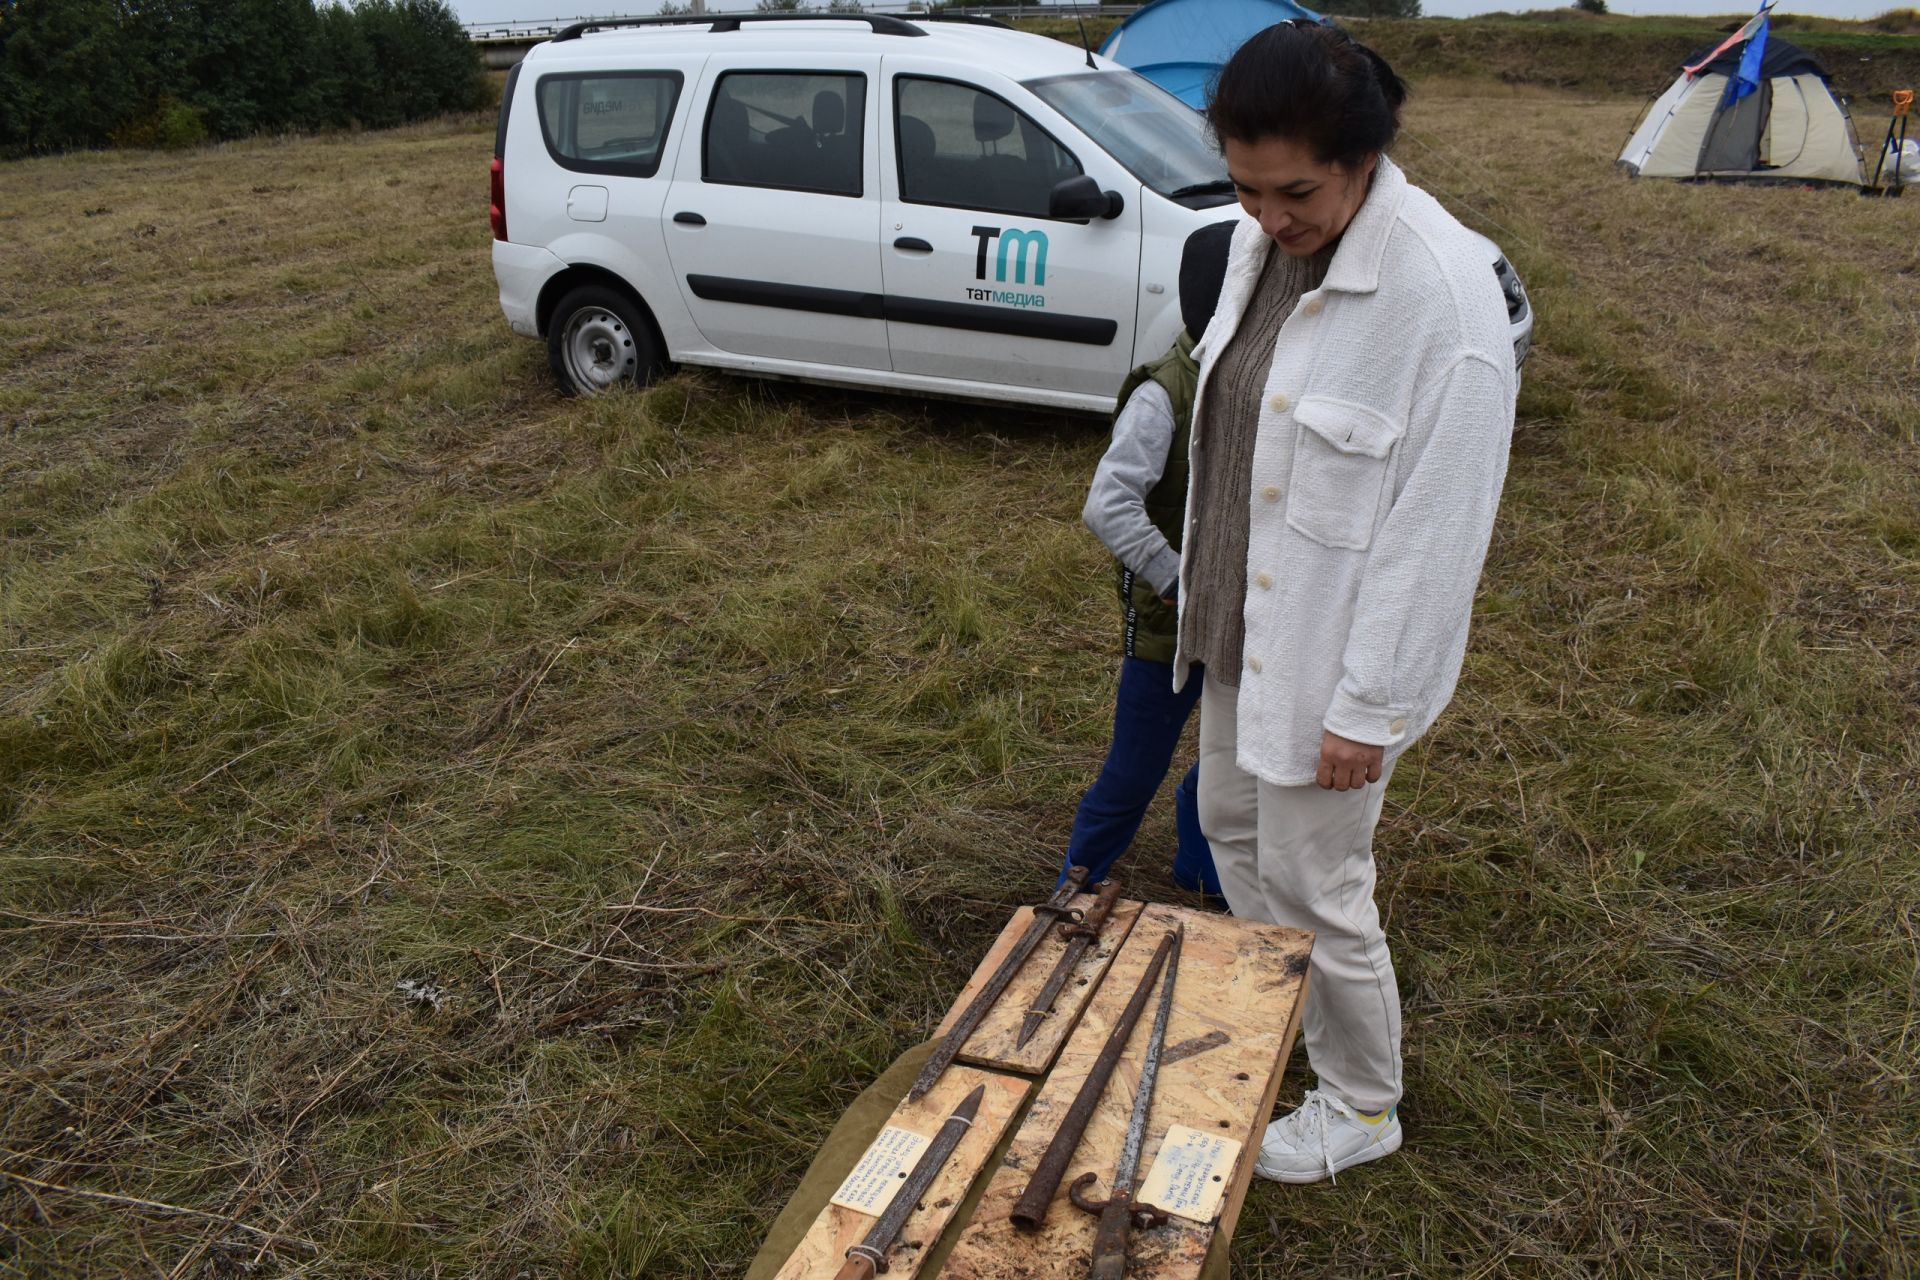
1181, 45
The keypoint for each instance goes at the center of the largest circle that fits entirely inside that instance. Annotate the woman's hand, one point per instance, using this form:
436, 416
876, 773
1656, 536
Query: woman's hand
1346, 765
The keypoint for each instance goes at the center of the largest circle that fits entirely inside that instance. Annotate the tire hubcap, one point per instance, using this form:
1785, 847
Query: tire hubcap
599, 349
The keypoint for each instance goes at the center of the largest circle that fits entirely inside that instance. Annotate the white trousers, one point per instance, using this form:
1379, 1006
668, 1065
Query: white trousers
1303, 857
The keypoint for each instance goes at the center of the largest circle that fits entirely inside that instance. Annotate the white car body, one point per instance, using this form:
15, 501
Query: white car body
980, 295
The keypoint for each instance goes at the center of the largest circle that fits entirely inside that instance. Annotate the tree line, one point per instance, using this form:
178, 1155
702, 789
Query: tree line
92, 73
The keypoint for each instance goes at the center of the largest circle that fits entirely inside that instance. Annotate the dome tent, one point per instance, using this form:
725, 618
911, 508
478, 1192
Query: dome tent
1750, 110
1181, 45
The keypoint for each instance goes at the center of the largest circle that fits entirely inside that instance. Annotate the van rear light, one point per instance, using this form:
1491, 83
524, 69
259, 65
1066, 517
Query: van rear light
497, 210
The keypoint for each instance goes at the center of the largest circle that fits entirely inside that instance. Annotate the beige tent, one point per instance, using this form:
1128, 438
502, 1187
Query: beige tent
1791, 129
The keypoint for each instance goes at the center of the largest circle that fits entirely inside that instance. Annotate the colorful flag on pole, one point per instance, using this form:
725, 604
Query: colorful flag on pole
1747, 78
1745, 32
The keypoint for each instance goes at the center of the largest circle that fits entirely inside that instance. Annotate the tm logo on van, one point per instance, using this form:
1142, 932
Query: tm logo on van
1017, 249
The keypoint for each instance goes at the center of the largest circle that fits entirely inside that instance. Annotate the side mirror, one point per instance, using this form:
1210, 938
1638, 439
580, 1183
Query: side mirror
1081, 197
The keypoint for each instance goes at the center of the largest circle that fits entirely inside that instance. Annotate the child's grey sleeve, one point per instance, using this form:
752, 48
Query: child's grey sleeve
1116, 507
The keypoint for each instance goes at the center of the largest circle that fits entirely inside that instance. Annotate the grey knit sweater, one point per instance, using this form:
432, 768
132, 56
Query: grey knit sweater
1223, 466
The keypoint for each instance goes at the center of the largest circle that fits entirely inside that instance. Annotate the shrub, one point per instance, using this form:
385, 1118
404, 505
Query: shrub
169, 125
1590, 6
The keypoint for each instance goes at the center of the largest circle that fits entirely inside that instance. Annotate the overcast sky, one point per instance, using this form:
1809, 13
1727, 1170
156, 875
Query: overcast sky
542, 10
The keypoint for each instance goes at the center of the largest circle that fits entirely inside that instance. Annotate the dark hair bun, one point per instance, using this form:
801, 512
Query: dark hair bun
1313, 83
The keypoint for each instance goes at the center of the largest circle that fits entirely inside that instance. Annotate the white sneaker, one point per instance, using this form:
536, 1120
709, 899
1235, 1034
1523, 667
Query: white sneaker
1323, 1137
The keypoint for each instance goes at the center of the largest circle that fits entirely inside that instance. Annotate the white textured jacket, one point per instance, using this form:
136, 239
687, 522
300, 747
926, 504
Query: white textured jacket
1382, 447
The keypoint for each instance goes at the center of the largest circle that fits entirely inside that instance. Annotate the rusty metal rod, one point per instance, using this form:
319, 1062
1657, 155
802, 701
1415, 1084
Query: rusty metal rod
1030, 1210
1118, 1212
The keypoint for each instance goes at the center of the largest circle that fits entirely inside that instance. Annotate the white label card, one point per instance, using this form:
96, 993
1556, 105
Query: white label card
1189, 1176
880, 1173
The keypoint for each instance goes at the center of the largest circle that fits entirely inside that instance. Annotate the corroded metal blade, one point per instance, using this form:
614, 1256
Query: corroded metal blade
1030, 1210
1149, 1072
950, 1045
870, 1255
1082, 936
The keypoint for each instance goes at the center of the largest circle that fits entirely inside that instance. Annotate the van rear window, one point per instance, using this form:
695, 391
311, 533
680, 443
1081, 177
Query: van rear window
608, 123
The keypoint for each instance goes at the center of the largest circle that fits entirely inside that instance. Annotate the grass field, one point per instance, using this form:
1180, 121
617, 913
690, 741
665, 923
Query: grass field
450, 830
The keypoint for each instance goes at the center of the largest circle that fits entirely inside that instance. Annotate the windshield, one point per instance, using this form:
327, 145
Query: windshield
1160, 139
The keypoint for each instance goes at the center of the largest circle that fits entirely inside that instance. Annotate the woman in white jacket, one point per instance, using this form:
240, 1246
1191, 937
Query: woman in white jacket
1349, 443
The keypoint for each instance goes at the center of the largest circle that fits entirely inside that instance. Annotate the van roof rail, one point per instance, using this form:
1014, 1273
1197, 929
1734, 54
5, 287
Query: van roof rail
882, 24
970, 19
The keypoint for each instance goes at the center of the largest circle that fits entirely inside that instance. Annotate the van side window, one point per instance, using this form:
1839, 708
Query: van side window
964, 148
608, 123
794, 130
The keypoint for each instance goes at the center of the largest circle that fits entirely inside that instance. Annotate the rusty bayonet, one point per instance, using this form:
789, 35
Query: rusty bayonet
1030, 1210
1120, 1211
1080, 937
1043, 917
870, 1255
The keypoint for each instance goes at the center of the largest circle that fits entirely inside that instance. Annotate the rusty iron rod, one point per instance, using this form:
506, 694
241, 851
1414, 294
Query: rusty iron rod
1118, 1212
1030, 1210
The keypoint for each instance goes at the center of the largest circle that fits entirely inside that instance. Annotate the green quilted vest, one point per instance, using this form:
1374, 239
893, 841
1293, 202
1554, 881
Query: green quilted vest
1150, 624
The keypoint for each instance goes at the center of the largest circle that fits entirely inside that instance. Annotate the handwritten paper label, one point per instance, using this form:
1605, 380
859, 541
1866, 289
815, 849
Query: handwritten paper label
1189, 1176
882, 1171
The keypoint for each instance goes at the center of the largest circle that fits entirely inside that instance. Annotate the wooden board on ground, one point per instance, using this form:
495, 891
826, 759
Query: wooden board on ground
992, 1042
824, 1249
1235, 1012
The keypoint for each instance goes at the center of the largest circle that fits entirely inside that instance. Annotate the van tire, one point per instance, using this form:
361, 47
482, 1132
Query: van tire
598, 339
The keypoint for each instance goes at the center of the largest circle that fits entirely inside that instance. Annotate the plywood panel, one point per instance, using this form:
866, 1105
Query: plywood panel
1233, 1022
824, 1249
992, 1042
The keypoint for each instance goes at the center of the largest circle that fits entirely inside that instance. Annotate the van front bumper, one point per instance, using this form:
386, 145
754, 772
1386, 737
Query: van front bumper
521, 270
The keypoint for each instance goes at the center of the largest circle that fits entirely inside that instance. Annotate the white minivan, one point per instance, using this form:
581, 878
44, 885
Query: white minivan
939, 207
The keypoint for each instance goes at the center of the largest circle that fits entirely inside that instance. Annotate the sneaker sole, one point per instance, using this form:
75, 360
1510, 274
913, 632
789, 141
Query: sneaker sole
1385, 1147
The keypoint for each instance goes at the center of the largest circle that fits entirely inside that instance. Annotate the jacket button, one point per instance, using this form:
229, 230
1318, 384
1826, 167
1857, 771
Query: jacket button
1253, 664
1313, 307
1278, 403
1398, 726
1271, 493
1264, 580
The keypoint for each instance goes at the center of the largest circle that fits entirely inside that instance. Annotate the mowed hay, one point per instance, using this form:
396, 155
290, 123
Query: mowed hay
448, 828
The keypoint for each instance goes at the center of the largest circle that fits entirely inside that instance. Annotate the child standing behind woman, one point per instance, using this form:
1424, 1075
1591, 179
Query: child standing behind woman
1137, 506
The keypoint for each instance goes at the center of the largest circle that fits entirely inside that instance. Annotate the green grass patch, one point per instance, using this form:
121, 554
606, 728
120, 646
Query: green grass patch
444, 827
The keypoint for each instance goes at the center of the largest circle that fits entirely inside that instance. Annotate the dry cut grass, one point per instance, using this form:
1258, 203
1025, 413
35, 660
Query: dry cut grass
449, 830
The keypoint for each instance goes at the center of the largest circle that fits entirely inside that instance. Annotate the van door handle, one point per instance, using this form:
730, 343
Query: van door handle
913, 243
690, 219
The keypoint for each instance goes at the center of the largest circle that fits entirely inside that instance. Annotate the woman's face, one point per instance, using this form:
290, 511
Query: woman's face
1303, 204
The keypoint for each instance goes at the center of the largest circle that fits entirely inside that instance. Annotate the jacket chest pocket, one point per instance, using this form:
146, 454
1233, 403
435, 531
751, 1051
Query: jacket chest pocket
1340, 470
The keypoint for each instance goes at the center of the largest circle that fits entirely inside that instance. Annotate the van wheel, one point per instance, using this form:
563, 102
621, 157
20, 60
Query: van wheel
598, 339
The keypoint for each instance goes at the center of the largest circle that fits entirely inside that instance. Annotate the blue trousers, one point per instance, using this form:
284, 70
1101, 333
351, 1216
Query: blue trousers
1147, 719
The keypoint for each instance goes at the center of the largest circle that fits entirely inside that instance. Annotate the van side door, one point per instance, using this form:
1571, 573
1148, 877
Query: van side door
982, 284
773, 219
